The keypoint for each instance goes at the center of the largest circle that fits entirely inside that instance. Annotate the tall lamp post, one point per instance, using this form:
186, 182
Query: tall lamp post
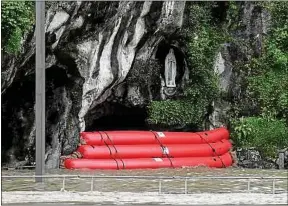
40, 89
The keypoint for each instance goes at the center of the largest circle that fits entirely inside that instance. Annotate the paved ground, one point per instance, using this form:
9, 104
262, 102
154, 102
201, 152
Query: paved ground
90, 204
113, 198
24, 192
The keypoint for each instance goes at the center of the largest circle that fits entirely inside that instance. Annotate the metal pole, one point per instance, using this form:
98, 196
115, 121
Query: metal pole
186, 186
273, 187
160, 187
40, 89
63, 184
92, 183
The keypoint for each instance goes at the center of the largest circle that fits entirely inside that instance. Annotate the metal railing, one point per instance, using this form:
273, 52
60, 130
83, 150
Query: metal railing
159, 178
18, 167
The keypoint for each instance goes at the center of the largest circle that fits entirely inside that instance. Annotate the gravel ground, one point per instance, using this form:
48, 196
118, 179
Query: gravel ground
143, 198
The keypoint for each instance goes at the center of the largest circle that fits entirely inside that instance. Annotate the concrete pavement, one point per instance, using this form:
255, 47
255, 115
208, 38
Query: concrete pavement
107, 203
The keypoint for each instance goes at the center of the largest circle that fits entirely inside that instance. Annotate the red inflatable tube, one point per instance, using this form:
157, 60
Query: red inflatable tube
225, 160
114, 164
154, 150
149, 137
149, 163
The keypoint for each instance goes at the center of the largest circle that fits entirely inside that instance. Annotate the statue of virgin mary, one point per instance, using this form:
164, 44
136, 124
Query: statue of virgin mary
170, 69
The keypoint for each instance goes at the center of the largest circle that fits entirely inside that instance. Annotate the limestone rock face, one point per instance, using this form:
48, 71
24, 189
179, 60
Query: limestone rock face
90, 49
247, 43
107, 59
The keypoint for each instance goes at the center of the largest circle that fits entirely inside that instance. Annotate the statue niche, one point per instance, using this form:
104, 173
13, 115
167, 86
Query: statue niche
170, 69
170, 73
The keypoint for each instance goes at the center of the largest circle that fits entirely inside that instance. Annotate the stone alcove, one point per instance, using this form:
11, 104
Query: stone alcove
161, 54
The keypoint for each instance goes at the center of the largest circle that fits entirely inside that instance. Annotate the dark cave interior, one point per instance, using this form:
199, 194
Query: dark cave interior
17, 112
118, 117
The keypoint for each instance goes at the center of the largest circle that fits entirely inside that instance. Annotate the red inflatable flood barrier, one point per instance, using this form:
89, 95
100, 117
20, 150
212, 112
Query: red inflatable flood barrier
154, 150
151, 137
150, 149
149, 163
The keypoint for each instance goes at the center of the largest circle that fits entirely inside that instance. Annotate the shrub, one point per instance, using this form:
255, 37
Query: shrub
264, 133
176, 113
17, 17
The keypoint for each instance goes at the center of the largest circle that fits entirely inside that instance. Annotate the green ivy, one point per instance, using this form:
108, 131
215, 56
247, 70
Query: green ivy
14, 42
176, 113
17, 17
268, 83
146, 76
271, 92
142, 72
279, 12
232, 18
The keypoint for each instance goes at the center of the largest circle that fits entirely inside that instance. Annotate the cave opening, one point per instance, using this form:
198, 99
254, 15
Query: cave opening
115, 116
17, 114
162, 52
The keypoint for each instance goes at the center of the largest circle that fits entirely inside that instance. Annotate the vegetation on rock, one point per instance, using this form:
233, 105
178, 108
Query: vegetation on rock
265, 134
203, 37
267, 85
17, 18
146, 76
259, 115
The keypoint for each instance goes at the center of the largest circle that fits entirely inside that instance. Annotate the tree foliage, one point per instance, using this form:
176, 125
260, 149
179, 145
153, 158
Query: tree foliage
17, 17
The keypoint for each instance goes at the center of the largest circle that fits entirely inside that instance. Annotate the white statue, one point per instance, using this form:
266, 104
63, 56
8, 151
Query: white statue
170, 69
169, 7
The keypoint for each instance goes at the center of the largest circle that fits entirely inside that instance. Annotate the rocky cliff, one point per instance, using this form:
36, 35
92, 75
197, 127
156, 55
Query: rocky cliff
90, 49
105, 62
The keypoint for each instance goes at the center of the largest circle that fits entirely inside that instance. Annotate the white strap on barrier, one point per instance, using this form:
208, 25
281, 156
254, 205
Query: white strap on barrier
160, 134
165, 150
158, 159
